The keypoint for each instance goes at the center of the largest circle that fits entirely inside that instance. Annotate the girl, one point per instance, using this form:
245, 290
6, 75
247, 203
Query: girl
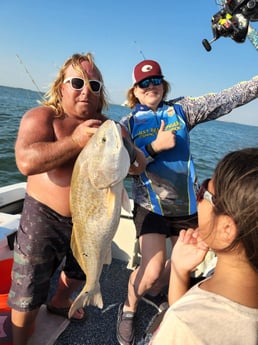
223, 309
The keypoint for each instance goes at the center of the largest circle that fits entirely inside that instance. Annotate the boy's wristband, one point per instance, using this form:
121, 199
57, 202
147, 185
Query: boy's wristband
150, 150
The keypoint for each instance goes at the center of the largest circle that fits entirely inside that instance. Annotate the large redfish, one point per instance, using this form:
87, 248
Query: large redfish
96, 197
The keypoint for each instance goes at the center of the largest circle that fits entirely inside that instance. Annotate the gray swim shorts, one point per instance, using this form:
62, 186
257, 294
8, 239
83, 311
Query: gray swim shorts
42, 242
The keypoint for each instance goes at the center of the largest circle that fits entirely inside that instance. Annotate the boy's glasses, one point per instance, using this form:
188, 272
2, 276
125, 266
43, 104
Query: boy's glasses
78, 84
203, 193
146, 82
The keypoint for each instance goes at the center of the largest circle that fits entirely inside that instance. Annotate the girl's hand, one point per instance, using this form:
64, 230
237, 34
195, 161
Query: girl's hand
189, 251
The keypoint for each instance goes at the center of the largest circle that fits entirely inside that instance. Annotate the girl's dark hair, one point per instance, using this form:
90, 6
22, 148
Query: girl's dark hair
236, 190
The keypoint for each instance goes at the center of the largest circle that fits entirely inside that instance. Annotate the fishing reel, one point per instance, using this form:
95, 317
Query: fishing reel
233, 20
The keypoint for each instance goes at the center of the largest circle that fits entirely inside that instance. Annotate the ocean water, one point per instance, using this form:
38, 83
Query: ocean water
209, 141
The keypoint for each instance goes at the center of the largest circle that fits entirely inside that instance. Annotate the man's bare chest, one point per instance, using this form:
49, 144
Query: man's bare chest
64, 126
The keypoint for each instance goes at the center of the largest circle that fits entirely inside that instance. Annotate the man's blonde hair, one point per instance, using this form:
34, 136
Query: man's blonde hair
53, 97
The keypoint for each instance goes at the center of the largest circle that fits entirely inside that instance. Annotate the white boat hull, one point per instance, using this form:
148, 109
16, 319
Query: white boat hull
124, 245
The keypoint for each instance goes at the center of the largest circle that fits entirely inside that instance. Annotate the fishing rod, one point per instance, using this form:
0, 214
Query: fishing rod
140, 51
233, 20
30, 76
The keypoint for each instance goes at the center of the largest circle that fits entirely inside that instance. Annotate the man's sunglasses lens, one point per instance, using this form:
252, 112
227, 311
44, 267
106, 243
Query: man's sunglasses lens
95, 85
77, 83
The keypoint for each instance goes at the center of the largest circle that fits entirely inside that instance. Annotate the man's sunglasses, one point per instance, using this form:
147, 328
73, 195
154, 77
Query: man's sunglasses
146, 82
203, 193
78, 84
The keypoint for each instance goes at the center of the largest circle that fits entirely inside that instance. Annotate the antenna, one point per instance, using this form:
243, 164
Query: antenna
26, 70
140, 51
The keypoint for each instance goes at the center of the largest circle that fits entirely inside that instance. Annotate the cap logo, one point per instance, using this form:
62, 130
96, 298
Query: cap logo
146, 68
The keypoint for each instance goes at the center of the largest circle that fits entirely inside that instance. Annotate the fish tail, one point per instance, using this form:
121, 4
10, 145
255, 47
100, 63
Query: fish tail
92, 297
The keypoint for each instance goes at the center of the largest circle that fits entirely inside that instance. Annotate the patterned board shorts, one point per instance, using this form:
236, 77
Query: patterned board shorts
42, 242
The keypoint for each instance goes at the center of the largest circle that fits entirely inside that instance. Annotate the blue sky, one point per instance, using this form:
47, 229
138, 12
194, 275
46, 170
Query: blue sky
45, 33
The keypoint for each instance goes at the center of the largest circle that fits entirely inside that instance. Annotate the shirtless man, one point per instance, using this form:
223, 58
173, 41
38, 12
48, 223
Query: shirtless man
49, 139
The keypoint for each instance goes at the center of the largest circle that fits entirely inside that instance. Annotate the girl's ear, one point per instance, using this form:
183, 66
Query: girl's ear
135, 92
227, 230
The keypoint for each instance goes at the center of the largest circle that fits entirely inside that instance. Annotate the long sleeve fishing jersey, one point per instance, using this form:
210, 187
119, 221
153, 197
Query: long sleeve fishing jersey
169, 184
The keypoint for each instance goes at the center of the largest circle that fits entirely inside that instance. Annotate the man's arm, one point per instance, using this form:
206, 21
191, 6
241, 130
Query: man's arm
37, 150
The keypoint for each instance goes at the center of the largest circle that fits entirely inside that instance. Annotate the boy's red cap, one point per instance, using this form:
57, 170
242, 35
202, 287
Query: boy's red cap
146, 69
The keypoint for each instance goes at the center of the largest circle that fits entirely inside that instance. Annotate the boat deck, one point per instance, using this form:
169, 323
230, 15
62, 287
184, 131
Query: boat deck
100, 324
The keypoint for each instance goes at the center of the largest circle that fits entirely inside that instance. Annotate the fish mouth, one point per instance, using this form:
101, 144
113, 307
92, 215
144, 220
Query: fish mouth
114, 158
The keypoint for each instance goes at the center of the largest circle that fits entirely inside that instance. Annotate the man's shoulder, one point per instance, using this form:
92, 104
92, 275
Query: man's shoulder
42, 110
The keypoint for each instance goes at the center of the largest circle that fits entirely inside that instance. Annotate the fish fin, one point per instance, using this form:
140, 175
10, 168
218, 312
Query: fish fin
108, 257
126, 201
110, 202
93, 297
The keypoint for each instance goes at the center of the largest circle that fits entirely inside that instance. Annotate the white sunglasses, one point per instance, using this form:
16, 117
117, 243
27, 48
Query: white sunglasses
78, 84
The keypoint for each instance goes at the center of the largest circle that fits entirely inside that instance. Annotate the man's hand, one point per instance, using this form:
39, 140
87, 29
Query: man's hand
84, 132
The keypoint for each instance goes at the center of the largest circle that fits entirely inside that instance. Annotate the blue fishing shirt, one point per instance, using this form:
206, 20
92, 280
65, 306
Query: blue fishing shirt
169, 184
